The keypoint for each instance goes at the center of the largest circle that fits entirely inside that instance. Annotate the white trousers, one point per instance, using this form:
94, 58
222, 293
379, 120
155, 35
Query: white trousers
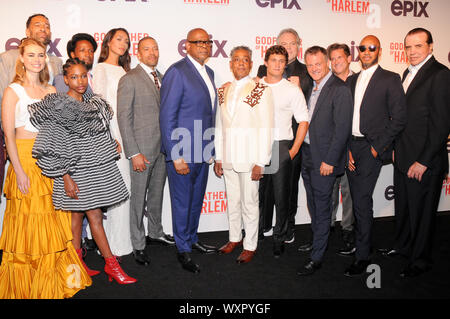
243, 207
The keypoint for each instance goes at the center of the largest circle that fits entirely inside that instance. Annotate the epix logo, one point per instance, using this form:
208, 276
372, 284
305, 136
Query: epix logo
13, 43
417, 8
217, 49
287, 4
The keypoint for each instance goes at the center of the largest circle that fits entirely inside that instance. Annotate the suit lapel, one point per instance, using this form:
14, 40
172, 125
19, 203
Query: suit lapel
421, 76
199, 78
147, 81
322, 96
373, 81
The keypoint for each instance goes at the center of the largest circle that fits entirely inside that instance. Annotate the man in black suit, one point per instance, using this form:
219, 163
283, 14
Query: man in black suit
295, 72
379, 115
421, 160
324, 148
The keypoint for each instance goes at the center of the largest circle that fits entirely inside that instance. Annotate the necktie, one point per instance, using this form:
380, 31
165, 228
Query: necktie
155, 77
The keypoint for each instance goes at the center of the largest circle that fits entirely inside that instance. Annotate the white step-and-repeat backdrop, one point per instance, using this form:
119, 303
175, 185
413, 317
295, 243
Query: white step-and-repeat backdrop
254, 23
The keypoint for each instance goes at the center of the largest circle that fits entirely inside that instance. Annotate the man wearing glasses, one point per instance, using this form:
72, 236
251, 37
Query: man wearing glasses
379, 115
188, 104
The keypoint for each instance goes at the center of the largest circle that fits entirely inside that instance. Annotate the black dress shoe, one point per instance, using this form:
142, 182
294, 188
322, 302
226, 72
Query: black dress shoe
305, 247
347, 251
309, 268
278, 249
204, 249
165, 240
391, 253
141, 257
187, 263
357, 268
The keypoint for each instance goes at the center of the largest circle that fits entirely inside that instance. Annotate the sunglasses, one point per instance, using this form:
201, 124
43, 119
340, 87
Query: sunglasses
363, 48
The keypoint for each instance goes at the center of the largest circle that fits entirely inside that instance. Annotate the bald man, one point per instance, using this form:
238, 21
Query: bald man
379, 116
188, 104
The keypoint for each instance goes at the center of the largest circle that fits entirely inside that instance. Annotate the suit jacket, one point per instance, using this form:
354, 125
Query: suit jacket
8, 67
138, 114
428, 112
330, 125
187, 116
383, 110
244, 138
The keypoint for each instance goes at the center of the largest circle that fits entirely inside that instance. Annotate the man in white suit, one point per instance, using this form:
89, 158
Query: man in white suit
243, 144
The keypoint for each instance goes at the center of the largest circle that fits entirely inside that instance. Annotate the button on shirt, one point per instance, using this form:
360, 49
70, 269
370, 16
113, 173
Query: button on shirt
361, 85
413, 69
313, 99
202, 70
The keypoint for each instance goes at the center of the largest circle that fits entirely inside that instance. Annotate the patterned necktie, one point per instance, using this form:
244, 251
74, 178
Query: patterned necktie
155, 76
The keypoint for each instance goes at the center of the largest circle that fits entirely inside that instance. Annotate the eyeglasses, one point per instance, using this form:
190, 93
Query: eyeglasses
363, 48
202, 43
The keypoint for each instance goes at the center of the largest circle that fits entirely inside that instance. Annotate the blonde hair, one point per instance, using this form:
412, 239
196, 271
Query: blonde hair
44, 75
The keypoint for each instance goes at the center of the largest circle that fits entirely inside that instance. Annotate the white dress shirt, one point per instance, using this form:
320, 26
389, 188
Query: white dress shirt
202, 70
361, 86
413, 69
238, 85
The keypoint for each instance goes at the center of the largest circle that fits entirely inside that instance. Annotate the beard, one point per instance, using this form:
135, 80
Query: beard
368, 65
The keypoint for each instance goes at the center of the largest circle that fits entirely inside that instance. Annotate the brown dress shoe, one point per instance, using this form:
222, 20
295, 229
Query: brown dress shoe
245, 256
229, 247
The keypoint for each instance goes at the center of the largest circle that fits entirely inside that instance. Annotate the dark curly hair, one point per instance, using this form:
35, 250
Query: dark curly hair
276, 49
71, 62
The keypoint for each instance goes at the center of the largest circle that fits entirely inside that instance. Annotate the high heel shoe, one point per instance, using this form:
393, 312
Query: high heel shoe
113, 270
89, 271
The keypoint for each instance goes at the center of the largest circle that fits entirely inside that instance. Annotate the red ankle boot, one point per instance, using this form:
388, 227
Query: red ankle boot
89, 271
113, 270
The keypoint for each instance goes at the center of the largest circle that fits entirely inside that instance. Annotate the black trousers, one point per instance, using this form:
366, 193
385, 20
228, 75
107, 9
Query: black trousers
318, 195
276, 187
416, 205
362, 183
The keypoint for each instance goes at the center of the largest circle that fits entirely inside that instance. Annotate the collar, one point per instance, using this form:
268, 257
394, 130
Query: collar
322, 83
197, 65
370, 70
146, 68
242, 81
415, 68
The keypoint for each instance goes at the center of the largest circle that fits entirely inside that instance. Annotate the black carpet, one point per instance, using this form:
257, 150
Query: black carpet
268, 278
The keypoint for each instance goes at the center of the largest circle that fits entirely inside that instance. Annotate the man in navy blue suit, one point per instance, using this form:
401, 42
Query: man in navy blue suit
188, 103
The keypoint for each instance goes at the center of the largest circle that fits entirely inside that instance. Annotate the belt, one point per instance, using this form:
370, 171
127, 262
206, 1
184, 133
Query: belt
358, 138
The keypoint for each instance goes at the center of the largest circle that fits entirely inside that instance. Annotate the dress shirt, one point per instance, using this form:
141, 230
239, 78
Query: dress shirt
315, 93
149, 71
202, 70
361, 86
413, 69
238, 85
288, 101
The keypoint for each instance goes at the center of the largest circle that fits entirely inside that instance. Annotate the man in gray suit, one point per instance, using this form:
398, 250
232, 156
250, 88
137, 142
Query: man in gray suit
138, 102
38, 28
